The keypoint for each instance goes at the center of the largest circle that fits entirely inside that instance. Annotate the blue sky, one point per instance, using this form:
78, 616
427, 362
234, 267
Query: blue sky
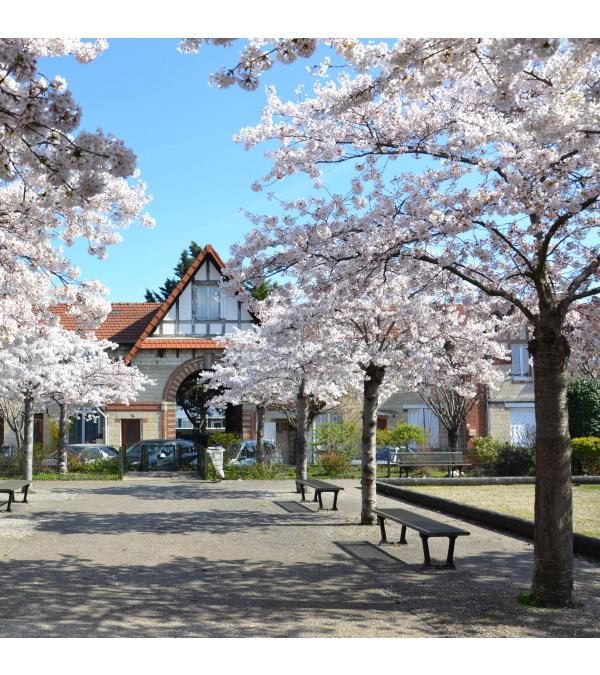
159, 102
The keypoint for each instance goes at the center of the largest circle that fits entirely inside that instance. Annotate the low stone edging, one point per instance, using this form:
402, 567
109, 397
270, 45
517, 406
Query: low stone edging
485, 480
393, 488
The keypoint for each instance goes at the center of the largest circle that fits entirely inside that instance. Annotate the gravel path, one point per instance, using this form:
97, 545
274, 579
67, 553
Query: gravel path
178, 557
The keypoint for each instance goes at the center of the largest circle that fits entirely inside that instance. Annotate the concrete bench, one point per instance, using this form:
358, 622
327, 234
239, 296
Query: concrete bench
406, 460
10, 487
319, 486
426, 527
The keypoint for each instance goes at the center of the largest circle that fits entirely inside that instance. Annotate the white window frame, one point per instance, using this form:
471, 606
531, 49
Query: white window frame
520, 369
208, 290
519, 430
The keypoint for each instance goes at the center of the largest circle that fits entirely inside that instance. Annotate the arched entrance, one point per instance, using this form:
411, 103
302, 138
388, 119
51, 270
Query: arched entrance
180, 378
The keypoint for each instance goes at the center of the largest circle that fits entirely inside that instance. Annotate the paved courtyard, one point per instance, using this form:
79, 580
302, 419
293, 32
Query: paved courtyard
167, 557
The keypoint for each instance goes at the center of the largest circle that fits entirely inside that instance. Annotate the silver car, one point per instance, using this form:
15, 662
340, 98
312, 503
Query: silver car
87, 452
246, 455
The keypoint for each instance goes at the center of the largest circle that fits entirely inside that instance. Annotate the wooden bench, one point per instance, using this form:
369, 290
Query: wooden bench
319, 486
406, 460
426, 527
10, 487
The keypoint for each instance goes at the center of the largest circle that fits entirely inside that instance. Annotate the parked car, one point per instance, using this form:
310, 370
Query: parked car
161, 453
8, 451
86, 452
246, 454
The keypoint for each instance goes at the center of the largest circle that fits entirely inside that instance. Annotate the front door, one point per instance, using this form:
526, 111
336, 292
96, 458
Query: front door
130, 432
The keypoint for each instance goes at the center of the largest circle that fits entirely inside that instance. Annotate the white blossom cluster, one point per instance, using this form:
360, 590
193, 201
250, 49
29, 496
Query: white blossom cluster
268, 364
256, 57
58, 184
48, 363
504, 187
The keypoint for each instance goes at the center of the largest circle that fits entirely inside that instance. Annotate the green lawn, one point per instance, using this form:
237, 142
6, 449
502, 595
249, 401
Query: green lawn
517, 500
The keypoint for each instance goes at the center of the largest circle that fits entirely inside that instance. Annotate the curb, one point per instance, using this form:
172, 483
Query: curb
492, 480
581, 543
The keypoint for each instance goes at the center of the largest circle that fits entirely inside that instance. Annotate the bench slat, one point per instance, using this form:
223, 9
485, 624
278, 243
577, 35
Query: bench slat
319, 484
422, 524
6, 485
448, 457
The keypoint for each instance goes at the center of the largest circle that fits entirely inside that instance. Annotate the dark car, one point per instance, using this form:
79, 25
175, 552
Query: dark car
8, 451
160, 453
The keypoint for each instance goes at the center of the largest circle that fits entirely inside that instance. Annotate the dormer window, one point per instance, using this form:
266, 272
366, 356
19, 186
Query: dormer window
208, 302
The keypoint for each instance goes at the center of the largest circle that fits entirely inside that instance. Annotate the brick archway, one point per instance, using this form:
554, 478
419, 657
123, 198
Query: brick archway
179, 375
168, 404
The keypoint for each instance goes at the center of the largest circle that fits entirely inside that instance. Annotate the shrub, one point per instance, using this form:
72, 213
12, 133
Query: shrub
99, 466
586, 454
583, 397
485, 452
337, 437
401, 435
336, 464
254, 472
224, 439
515, 461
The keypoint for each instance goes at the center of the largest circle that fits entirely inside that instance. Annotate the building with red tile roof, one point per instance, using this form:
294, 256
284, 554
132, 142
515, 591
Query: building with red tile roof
170, 341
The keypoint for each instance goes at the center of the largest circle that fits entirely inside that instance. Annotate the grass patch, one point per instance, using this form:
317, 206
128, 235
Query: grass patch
518, 500
286, 472
527, 599
67, 476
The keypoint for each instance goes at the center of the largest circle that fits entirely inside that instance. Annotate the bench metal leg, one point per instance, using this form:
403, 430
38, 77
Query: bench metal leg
335, 496
403, 535
425, 541
318, 494
381, 522
302, 491
25, 490
450, 556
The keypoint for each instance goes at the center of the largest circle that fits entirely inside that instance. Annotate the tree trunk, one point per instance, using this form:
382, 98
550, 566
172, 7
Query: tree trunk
553, 553
452, 438
373, 378
301, 418
63, 437
260, 435
28, 438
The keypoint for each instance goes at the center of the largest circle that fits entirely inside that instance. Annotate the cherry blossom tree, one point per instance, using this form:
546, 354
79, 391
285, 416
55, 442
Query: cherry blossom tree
241, 376
58, 184
47, 363
88, 377
497, 146
464, 368
288, 362
388, 331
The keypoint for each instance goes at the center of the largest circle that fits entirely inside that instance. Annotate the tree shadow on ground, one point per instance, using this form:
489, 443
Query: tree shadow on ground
349, 595
224, 522
197, 490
